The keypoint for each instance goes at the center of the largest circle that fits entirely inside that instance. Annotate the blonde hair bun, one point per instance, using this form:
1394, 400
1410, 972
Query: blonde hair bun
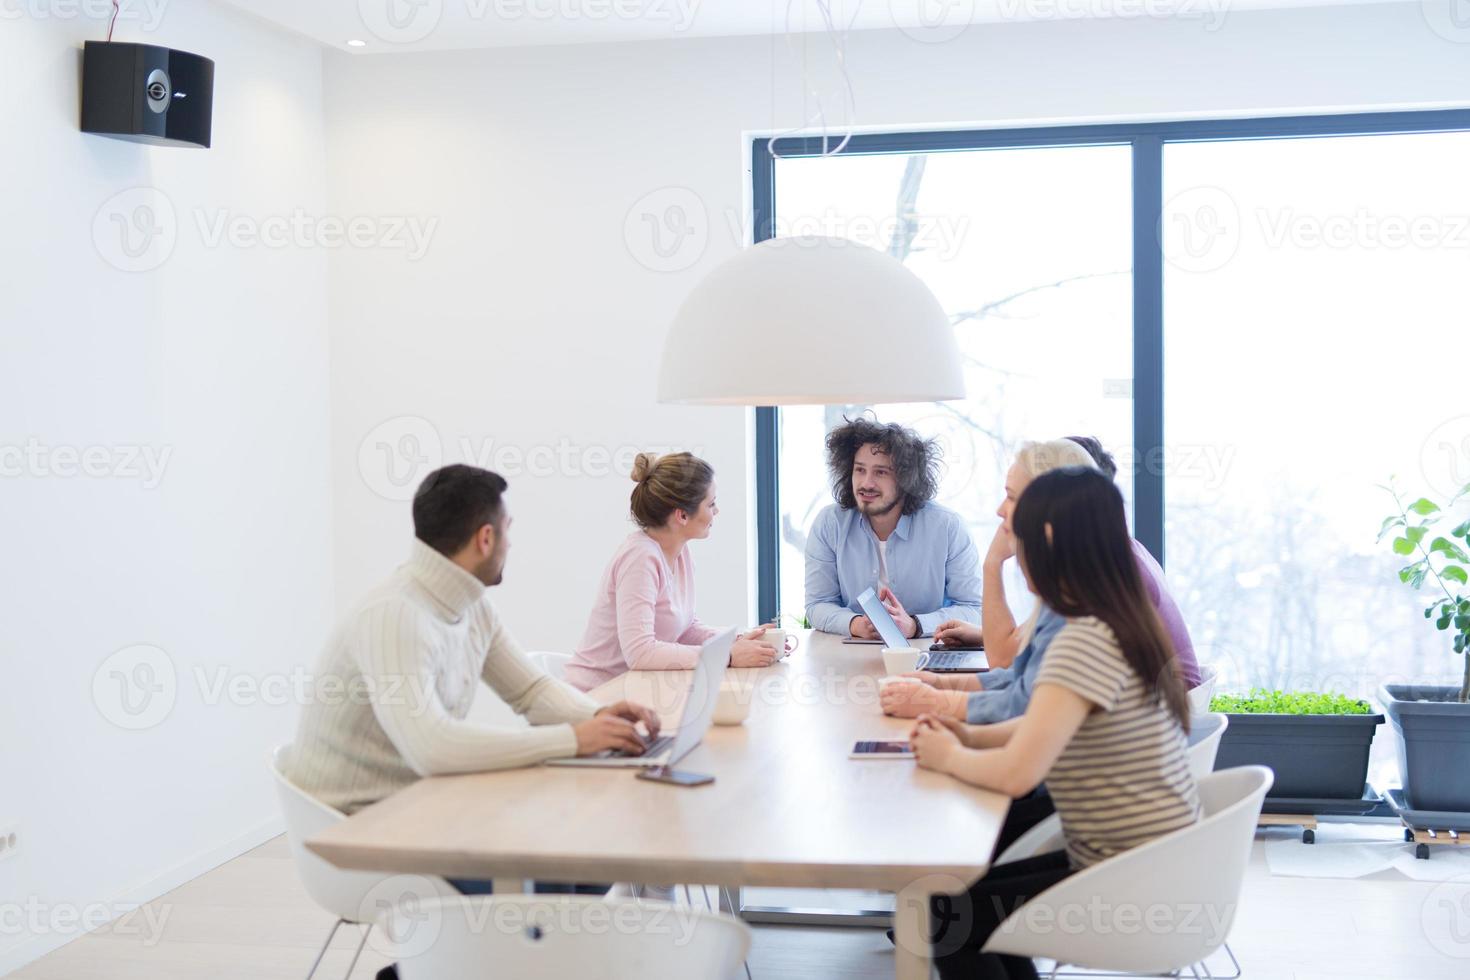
643, 465
678, 481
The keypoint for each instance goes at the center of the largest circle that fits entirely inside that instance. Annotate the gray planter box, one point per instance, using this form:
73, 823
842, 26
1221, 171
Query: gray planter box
1434, 745
1318, 757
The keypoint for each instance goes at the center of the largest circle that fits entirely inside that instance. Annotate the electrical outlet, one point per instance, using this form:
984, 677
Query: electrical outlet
9, 841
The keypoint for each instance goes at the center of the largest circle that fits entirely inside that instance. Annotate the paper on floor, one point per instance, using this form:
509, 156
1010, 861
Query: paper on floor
1347, 850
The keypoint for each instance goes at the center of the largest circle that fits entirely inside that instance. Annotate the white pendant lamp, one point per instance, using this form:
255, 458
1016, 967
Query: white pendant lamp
810, 320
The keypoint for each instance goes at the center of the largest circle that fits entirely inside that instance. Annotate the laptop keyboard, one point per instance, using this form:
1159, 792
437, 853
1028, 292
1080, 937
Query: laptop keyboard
655, 747
941, 661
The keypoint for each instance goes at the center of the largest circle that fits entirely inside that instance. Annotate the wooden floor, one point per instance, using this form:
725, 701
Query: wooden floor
251, 920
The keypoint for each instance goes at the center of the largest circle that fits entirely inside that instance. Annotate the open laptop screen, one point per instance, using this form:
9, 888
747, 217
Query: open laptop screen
882, 622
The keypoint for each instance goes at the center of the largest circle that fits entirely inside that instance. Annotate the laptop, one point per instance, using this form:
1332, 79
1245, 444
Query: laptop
940, 661
699, 711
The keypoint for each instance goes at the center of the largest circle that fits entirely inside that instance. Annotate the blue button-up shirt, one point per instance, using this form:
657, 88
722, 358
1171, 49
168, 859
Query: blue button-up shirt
930, 557
1006, 691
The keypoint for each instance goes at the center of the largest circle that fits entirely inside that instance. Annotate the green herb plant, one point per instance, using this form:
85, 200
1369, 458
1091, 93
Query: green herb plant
1443, 558
1263, 702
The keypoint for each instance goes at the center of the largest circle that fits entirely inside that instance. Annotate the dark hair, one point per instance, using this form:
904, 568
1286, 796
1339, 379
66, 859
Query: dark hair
1100, 456
1088, 569
915, 460
678, 481
453, 503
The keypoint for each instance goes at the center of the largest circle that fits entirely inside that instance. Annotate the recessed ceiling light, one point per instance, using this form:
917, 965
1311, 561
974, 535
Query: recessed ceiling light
355, 43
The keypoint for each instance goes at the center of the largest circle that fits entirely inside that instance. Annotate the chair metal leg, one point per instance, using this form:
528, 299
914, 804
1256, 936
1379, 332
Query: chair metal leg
1234, 964
725, 899
323, 951
367, 927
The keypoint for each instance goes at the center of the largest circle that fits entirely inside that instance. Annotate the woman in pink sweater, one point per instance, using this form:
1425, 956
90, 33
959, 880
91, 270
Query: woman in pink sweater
643, 618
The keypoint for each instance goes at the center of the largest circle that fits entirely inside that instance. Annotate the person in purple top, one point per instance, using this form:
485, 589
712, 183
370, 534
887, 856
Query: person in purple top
1153, 577
1015, 652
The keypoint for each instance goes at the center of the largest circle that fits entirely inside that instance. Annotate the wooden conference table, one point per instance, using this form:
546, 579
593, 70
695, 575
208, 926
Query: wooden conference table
788, 808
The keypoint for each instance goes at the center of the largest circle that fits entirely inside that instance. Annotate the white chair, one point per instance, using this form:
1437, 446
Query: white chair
533, 936
1200, 695
553, 663
1180, 893
353, 896
1205, 732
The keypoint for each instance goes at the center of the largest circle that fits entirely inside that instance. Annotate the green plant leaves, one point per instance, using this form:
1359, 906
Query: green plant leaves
1403, 546
1416, 534
1263, 702
1424, 507
1455, 574
1448, 548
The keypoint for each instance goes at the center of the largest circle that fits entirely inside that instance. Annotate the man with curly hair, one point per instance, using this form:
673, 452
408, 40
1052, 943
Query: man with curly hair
886, 532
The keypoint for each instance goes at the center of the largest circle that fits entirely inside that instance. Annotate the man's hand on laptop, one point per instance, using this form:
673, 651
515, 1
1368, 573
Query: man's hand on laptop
614, 727
862, 628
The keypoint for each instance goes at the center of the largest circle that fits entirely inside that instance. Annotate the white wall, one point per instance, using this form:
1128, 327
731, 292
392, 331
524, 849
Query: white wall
530, 320
218, 357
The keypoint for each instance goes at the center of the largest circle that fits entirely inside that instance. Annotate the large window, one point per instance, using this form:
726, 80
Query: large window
1029, 252
1263, 317
1314, 308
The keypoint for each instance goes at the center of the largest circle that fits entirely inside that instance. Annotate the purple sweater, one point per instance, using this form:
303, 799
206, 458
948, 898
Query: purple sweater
1153, 580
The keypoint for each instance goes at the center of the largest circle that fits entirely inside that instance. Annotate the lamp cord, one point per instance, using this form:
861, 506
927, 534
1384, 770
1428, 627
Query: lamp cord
112, 23
839, 51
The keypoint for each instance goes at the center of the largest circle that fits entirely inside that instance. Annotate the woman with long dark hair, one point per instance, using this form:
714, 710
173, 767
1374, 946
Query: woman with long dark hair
1105, 727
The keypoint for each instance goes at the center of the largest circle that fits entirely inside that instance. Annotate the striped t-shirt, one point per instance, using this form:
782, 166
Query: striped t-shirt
1124, 777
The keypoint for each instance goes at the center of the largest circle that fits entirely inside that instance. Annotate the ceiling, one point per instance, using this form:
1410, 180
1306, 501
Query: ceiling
430, 25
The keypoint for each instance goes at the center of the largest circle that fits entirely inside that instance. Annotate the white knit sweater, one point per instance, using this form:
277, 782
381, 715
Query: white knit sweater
396, 681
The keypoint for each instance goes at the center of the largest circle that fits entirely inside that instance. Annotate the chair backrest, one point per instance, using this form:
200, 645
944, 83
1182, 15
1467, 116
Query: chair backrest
553, 663
1200, 694
346, 894
1159, 907
1205, 732
563, 936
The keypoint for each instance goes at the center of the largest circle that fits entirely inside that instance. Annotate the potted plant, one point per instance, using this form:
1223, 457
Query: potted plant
1317, 744
1433, 721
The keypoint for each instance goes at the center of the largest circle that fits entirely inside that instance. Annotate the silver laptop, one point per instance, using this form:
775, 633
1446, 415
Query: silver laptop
699, 710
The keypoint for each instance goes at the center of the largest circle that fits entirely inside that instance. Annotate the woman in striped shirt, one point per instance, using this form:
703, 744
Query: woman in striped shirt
1105, 727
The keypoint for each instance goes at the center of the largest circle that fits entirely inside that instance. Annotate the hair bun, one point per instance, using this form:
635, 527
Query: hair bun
643, 465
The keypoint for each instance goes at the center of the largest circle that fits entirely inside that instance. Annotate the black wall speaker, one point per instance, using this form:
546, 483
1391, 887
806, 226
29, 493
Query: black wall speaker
147, 94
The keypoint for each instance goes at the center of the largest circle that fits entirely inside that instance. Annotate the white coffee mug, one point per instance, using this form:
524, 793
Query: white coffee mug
732, 705
784, 641
900, 660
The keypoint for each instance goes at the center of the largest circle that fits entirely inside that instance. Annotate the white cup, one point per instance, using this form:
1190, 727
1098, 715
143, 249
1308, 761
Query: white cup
900, 660
775, 637
732, 705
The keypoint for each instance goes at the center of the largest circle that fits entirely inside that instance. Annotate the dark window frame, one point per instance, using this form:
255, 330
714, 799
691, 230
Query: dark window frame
1147, 141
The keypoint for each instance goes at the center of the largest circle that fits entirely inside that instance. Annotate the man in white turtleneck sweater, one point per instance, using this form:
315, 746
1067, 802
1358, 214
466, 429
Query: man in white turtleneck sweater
396, 681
